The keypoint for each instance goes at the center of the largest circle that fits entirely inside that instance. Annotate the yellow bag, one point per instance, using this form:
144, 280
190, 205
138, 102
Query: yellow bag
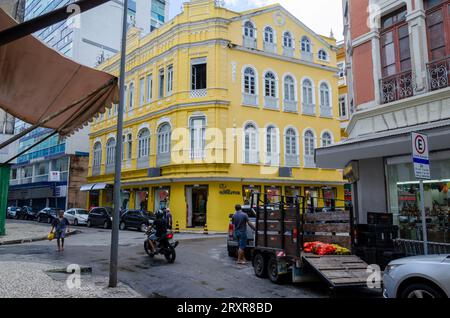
51, 236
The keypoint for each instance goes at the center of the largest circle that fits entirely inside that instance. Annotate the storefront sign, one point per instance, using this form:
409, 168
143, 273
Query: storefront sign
421, 158
54, 176
225, 191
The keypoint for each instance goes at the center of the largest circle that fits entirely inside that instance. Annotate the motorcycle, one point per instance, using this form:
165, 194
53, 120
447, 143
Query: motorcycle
164, 245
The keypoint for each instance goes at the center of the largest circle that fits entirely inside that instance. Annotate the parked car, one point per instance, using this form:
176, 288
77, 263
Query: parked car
26, 213
232, 244
137, 219
100, 216
418, 277
47, 215
11, 212
77, 216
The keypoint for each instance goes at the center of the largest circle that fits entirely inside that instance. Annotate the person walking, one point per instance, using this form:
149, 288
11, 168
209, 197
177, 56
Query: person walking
240, 221
60, 226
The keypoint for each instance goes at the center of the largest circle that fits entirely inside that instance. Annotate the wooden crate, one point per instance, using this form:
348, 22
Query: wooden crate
276, 225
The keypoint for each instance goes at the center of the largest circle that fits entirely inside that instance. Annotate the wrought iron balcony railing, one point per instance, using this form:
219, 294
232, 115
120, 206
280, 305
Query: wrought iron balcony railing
439, 74
397, 87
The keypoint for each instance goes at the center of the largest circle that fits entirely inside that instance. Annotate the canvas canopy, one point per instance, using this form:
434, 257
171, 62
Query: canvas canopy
39, 84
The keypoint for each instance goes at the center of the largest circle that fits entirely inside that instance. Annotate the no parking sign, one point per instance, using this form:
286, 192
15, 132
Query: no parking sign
421, 157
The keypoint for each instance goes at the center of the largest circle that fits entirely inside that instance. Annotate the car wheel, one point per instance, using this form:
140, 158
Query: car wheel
106, 225
122, 226
89, 223
259, 265
75, 222
421, 290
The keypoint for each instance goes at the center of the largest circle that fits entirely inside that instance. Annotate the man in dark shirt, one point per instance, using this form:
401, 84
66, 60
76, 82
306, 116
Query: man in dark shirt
160, 226
240, 221
60, 226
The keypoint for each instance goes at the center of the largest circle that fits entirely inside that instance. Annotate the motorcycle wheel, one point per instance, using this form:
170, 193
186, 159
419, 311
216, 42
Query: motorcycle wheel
147, 249
170, 255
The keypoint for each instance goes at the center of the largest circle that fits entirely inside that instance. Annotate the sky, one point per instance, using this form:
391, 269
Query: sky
321, 16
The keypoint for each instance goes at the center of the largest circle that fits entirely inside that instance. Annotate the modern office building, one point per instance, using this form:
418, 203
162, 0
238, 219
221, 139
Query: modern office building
220, 104
398, 72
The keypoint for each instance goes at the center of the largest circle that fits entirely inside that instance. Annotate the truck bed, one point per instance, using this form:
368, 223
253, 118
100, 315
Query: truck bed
339, 270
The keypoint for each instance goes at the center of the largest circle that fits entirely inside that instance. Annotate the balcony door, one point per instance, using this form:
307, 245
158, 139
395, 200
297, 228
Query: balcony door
438, 28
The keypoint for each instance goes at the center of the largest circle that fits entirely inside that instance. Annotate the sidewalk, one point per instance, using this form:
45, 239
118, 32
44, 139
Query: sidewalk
32, 280
18, 232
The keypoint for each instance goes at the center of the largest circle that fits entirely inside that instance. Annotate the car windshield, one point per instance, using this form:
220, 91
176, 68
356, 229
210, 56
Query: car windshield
83, 212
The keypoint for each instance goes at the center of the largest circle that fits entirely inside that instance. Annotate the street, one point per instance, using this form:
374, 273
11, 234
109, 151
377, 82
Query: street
202, 268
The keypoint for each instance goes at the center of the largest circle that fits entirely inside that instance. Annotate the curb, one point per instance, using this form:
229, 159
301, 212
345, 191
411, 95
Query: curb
35, 239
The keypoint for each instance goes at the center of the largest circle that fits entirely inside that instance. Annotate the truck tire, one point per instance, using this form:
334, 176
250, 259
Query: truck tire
272, 271
260, 266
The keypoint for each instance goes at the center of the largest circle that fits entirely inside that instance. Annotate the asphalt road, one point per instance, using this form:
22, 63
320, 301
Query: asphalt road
202, 268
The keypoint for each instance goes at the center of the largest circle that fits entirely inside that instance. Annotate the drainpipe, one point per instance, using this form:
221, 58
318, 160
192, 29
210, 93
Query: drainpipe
67, 183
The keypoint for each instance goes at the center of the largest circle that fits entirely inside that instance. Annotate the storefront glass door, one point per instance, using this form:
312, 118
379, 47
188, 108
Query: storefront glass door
162, 197
141, 200
196, 200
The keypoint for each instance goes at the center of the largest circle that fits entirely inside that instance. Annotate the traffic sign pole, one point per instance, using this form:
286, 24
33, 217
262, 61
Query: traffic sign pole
424, 219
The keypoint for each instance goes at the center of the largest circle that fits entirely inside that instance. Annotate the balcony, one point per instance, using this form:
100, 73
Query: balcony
326, 111
397, 87
163, 159
40, 178
251, 157
271, 102
272, 159
308, 109
290, 106
110, 168
198, 93
249, 42
249, 99
197, 154
438, 74
269, 47
291, 161
96, 170
288, 51
143, 162
307, 56
309, 161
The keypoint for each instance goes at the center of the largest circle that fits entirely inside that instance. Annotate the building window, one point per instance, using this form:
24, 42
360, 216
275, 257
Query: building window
199, 74
251, 144
161, 84
268, 35
131, 96
169, 79
144, 143
289, 88
272, 152
438, 27
306, 45
327, 140
249, 30
97, 160
308, 106
323, 56
287, 40
141, 91
198, 137
110, 151
270, 85
343, 106
324, 95
149, 87
341, 71
309, 146
164, 139
291, 148
249, 81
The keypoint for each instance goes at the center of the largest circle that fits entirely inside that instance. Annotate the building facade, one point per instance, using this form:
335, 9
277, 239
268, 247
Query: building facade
220, 104
398, 63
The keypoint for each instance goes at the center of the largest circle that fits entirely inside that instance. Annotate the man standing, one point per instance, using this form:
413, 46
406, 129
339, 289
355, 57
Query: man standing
240, 221
59, 226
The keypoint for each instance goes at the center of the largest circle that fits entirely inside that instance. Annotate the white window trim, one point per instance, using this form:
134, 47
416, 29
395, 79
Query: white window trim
325, 131
313, 89
347, 108
255, 30
277, 151
295, 86
292, 38
256, 79
274, 32
326, 53
330, 90
138, 142
276, 83
190, 120
297, 141
303, 139
247, 123
97, 142
129, 99
311, 49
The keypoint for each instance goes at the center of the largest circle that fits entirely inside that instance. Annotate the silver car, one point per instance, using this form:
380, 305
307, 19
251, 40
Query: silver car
418, 277
77, 216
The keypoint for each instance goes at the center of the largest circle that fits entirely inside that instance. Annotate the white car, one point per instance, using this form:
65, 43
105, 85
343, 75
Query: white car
418, 277
77, 216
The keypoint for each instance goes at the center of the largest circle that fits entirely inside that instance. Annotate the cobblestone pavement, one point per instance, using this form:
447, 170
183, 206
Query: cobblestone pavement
24, 230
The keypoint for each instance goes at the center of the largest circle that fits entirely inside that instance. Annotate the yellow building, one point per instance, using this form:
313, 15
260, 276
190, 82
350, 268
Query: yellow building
220, 103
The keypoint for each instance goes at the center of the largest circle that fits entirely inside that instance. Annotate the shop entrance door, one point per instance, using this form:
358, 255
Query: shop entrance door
196, 200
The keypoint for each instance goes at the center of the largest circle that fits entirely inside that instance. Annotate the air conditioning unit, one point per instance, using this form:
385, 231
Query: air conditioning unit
285, 172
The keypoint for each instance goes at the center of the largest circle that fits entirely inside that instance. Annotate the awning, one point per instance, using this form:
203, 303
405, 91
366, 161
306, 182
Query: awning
95, 186
38, 83
379, 145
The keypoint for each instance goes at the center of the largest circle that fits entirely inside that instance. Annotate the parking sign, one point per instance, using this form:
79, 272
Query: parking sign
421, 157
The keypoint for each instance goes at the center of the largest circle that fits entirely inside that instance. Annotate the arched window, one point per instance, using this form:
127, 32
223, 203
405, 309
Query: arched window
270, 85
97, 160
272, 145
251, 144
197, 127
287, 40
306, 45
324, 95
309, 146
289, 88
307, 89
291, 148
144, 143
164, 139
323, 55
249, 30
110, 151
327, 140
129, 144
131, 97
268, 35
249, 81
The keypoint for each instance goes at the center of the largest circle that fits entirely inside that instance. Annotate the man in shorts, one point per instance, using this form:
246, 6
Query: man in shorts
240, 221
60, 226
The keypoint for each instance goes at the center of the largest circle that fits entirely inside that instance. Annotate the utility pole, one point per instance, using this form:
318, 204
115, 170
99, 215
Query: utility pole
118, 155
